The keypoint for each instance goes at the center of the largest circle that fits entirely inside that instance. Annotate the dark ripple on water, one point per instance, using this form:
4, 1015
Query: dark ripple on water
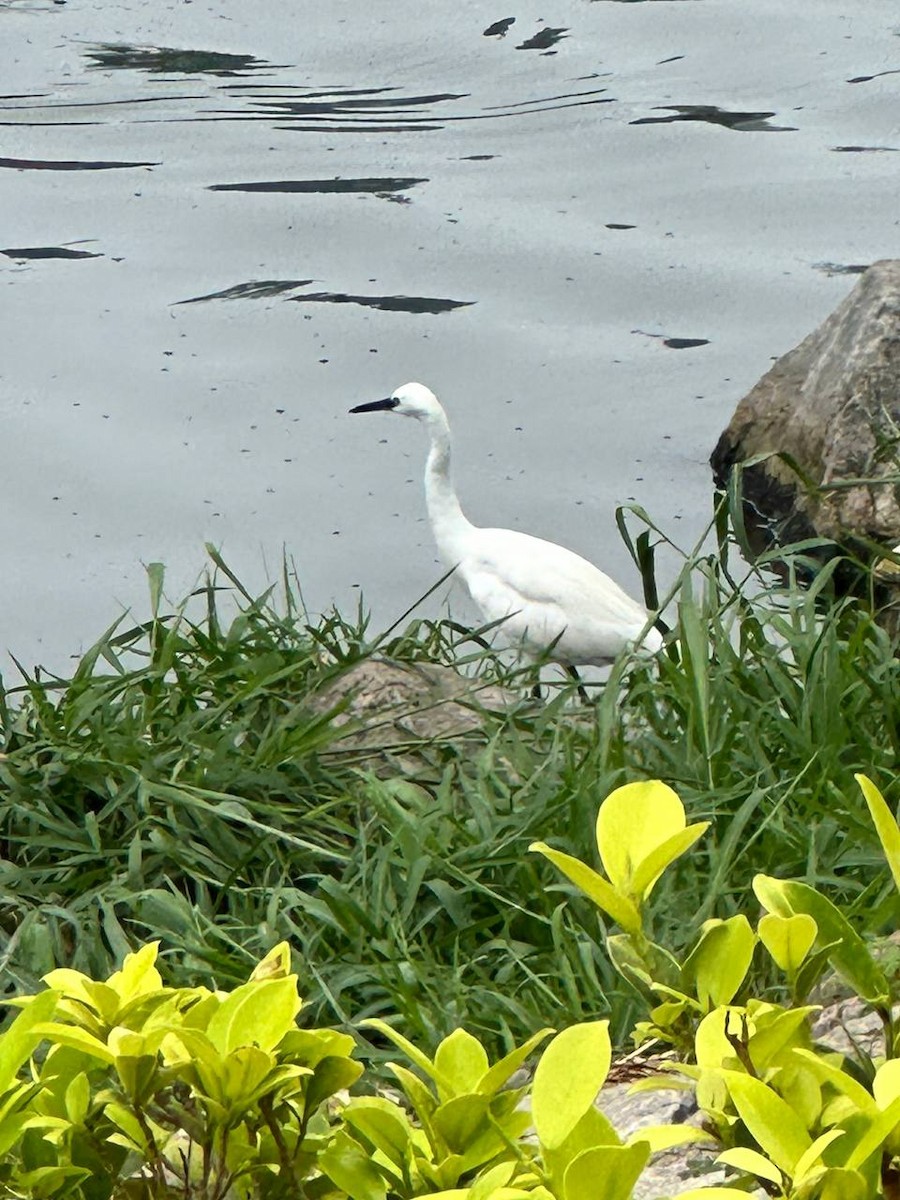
281, 104
161, 60
260, 289
750, 122
373, 186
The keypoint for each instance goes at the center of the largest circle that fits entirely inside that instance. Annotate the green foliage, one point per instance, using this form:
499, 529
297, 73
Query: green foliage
804, 1123
147, 1091
184, 785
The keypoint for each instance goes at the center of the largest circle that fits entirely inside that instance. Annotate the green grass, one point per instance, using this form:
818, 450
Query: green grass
181, 786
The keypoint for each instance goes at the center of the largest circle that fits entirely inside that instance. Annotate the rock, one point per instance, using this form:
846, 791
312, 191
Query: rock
396, 706
832, 404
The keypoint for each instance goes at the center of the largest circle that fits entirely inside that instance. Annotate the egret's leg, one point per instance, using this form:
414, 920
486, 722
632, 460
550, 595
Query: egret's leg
572, 672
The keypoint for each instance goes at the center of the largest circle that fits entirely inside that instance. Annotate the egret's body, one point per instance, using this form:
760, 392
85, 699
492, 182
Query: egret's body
550, 601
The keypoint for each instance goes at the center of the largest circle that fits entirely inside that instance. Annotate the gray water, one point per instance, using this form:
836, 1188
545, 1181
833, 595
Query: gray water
223, 224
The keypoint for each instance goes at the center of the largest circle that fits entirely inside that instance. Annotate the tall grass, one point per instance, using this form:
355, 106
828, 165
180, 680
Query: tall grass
183, 785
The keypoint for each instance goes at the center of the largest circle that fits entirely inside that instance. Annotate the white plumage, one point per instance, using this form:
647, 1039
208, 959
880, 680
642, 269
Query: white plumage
550, 601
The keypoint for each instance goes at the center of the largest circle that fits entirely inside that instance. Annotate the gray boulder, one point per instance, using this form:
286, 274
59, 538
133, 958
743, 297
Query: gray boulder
833, 405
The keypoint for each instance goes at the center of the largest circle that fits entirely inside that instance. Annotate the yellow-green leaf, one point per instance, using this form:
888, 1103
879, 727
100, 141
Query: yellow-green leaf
138, 975
752, 1163
720, 960
632, 822
594, 886
807, 1162
79, 1039
567, 1079
384, 1125
275, 965
258, 1013
21, 1038
619, 1168
346, 1164
886, 1085
650, 868
883, 1125
664, 1137
849, 954
413, 1053
462, 1061
774, 1125
713, 1193
498, 1074
885, 825
788, 939
839, 1080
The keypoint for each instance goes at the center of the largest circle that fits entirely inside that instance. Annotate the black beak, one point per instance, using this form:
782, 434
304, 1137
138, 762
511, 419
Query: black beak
377, 405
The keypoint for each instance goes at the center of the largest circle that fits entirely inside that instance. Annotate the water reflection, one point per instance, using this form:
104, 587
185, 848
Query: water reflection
260, 289
29, 252
254, 289
407, 304
374, 186
865, 149
157, 60
831, 268
756, 122
40, 164
543, 39
674, 343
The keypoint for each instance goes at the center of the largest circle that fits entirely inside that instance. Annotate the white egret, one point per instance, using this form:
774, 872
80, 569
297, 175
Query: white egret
551, 602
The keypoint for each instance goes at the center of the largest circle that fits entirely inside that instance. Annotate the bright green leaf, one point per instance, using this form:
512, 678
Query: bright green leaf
258, 1013
850, 955
462, 1061
493, 1080
651, 868
885, 824
751, 1162
594, 886
719, 962
633, 821
568, 1077
619, 1168
774, 1125
787, 939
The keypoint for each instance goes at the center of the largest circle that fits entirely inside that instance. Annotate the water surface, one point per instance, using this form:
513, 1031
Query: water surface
589, 228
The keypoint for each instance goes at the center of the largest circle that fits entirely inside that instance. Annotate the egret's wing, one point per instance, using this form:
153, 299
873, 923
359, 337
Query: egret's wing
546, 594
543, 573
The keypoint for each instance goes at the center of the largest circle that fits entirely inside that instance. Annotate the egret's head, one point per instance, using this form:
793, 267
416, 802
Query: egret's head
410, 400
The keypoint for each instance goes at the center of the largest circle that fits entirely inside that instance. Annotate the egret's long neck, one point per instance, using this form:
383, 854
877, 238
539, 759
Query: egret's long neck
448, 522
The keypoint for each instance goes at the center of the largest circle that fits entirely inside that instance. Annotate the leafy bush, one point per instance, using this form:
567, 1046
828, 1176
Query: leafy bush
804, 1122
130, 1088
